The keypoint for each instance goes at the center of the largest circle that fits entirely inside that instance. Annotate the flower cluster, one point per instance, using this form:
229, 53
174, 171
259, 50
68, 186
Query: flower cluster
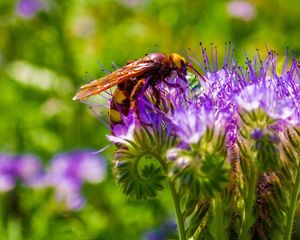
219, 140
66, 174
29, 8
25, 168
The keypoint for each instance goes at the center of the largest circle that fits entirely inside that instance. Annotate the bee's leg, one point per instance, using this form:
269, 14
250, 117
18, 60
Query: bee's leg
137, 91
174, 85
139, 88
181, 87
157, 98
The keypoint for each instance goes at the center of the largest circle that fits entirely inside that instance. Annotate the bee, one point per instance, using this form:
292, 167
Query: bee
134, 79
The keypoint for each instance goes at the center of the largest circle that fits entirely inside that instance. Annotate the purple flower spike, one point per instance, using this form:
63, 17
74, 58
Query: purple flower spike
190, 123
7, 183
29, 168
8, 165
294, 119
277, 108
250, 97
91, 169
168, 228
184, 105
69, 171
78, 165
7, 173
254, 96
29, 8
25, 168
68, 191
257, 134
122, 134
241, 9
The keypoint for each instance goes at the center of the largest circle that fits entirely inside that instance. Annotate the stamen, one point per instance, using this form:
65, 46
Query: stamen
195, 58
99, 118
102, 149
286, 61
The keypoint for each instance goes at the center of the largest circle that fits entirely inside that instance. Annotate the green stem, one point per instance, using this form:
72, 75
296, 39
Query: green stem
179, 215
176, 200
291, 212
249, 204
218, 218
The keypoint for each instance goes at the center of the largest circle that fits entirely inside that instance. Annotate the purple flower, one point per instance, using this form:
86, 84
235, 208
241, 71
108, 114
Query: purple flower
190, 123
257, 134
68, 171
254, 96
258, 86
122, 134
25, 168
241, 9
200, 129
29, 8
185, 109
148, 116
165, 231
275, 106
154, 235
68, 191
29, 167
7, 173
250, 97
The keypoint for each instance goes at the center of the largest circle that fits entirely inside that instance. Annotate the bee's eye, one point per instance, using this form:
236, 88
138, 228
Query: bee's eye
177, 60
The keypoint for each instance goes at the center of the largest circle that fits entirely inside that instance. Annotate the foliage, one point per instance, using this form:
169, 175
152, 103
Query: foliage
44, 54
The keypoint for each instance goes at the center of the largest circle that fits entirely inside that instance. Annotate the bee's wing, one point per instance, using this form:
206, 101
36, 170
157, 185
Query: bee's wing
135, 69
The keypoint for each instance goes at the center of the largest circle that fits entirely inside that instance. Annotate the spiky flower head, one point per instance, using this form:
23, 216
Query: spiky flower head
217, 138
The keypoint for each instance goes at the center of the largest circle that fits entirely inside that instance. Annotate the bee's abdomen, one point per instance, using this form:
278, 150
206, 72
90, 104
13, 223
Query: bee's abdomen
119, 105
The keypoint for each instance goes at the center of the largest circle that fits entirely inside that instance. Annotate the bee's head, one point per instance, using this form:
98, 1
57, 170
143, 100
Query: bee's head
178, 62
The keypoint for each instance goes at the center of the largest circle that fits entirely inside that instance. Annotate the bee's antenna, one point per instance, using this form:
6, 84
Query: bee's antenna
196, 71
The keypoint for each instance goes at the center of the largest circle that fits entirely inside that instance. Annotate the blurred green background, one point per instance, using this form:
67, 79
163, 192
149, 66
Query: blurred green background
45, 53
